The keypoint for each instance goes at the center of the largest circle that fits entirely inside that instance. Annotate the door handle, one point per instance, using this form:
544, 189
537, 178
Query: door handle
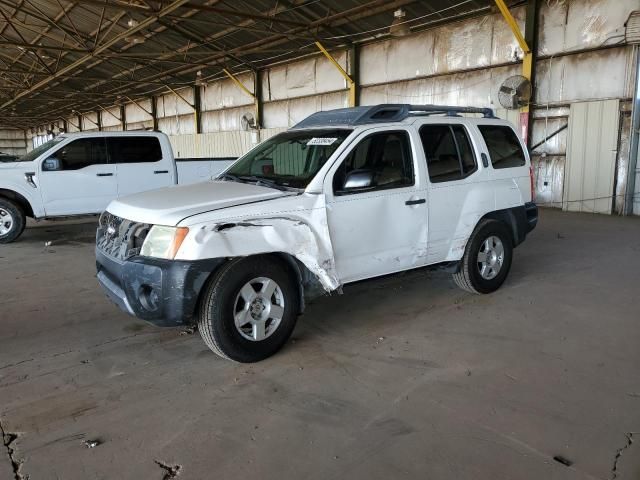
416, 201
160, 171
104, 174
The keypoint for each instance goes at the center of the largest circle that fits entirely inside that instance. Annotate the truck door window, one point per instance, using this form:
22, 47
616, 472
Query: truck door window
134, 149
81, 153
503, 145
387, 156
448, 151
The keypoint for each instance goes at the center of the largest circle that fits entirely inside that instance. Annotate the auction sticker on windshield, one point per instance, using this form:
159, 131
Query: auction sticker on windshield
321, 141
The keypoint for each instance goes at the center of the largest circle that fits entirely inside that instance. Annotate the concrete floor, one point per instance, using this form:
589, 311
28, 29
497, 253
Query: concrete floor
403, 377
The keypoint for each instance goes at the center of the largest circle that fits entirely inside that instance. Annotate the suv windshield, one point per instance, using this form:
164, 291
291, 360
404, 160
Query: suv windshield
290, 159
36, 152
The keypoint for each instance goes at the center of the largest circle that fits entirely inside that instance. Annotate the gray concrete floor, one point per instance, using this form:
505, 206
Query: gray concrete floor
402, 377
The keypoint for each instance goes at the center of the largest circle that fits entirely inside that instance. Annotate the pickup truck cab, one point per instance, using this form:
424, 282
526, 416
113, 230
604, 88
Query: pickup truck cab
81, 173
345, 195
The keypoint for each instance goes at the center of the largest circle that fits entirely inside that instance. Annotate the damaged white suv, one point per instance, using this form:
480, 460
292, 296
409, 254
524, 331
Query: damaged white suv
343, 196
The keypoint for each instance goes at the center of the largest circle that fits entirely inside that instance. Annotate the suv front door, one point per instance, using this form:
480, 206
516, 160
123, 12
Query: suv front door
376, 207
77, 178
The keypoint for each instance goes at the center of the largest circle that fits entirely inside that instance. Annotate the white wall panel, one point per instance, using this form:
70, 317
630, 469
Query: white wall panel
305, 77
137, 114
548, 172
72, 124
90, 121
591, 156
478, 88
289, 112
585, 76
12, 142
226, 119
212, 145
111, 118
226, 94
177, 125
172, 105
579, 24
464, 45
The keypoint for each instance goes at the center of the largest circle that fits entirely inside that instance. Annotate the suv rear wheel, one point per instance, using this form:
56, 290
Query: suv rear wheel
487, 258
12, 221
249, 309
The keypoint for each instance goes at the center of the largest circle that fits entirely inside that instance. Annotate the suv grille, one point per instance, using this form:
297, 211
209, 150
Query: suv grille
120, 238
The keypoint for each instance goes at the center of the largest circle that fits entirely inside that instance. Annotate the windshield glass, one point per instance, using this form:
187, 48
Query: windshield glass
290, 159
36, 152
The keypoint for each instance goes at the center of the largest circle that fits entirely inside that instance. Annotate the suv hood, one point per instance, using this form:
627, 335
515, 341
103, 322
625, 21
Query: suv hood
14, 165
168, 206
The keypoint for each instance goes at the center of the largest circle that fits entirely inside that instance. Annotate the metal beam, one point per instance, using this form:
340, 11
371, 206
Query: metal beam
72, 66
350, 82
197, 109
527, 61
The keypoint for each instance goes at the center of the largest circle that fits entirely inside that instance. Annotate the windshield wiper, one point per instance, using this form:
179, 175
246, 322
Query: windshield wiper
228, 176
265, 182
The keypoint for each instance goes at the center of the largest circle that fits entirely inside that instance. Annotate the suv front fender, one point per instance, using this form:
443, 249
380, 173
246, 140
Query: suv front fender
306, 239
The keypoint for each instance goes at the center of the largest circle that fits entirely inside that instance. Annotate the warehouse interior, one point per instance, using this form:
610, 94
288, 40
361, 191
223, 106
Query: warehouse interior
400, 377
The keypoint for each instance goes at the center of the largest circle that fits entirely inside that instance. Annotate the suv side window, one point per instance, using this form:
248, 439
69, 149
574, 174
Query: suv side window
80, 153
449, 153
134, 149
503, 145
387, 155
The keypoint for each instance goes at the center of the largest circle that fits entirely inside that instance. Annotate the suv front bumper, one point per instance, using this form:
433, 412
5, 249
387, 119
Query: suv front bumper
162, 292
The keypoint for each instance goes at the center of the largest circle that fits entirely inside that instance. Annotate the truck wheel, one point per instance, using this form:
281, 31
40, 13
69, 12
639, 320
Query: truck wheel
487, 258
249, 309
12, 221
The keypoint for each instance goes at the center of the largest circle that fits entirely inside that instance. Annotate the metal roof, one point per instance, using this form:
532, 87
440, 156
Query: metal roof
64, 57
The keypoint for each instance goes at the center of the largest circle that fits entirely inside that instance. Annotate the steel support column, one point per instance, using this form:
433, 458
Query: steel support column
197, 109
527, 62
154, 113
351, 84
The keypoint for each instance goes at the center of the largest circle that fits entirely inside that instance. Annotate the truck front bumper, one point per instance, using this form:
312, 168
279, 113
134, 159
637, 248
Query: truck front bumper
162, 292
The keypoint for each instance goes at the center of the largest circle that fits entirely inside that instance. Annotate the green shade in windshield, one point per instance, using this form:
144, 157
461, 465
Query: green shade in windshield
292, 158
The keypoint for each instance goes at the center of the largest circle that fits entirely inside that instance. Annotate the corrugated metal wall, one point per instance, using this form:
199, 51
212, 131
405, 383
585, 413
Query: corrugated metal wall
592, 146
13, 142
463, 63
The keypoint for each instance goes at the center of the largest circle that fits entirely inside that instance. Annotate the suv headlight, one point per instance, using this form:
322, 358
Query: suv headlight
163, 242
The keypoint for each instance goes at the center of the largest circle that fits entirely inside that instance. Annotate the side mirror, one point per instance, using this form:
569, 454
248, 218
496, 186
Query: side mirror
51, 164
358, 179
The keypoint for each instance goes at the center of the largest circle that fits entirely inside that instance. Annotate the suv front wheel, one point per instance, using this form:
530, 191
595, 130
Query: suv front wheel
487, 258
249, 309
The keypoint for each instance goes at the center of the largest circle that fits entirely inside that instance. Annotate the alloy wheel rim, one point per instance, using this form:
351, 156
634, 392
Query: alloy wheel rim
6, 221
490, 258
258, 309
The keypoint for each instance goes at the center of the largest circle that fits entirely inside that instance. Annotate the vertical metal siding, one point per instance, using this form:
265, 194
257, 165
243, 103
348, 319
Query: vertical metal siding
591, 156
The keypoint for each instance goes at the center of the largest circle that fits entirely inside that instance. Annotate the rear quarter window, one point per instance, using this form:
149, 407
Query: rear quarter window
503, 145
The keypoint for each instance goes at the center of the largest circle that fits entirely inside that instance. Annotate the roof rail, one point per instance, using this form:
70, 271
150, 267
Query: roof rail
386, 112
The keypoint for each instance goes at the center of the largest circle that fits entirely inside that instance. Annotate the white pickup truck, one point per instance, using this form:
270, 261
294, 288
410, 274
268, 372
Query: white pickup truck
345, 195
80, 173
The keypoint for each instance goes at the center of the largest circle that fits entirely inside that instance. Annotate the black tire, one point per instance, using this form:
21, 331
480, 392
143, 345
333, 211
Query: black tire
469, 277
218, 306
18, 220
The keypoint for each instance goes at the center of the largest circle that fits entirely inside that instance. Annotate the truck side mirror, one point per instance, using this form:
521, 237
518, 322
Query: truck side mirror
358, 179
51, 164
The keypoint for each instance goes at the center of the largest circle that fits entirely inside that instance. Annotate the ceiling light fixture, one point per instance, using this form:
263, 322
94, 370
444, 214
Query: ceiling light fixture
399, 27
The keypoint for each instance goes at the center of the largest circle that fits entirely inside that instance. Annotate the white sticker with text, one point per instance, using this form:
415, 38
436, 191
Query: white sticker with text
321, 141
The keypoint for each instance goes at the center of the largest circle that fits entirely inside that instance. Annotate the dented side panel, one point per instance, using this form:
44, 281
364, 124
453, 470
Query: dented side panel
301, 232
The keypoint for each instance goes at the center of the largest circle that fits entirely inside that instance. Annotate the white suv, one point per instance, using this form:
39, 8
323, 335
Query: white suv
343, 196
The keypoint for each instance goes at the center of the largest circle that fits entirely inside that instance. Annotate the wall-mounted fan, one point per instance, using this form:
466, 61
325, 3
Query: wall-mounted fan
515, 92
248, 122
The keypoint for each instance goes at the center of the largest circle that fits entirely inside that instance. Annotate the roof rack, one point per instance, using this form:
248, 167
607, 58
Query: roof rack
385, 113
